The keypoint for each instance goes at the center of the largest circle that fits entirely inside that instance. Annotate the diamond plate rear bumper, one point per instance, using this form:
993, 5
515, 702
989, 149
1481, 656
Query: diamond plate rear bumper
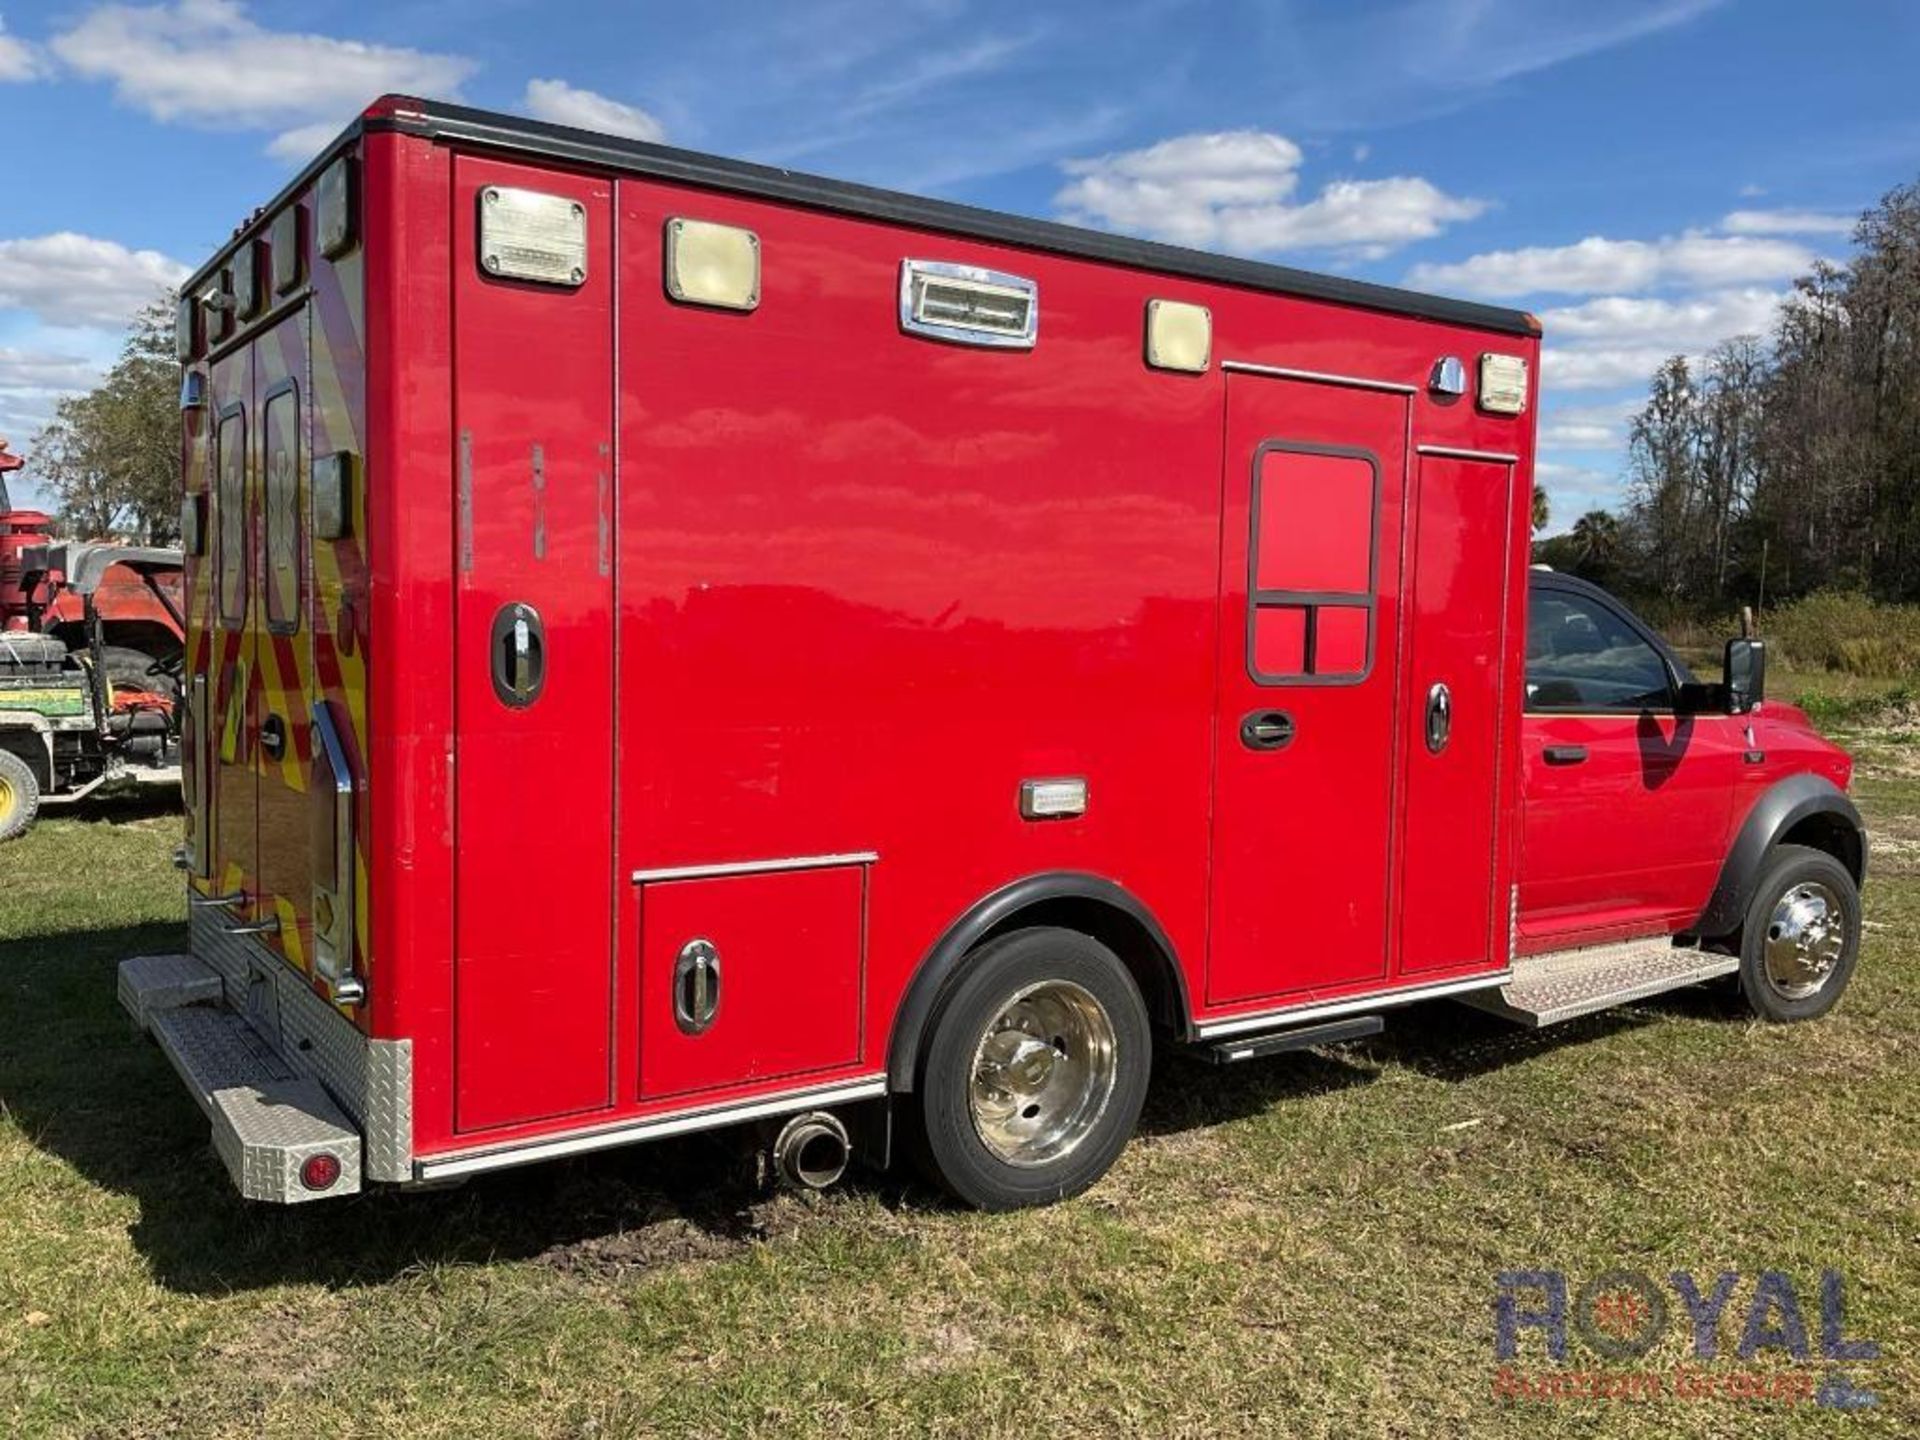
278, 1071
268, 1121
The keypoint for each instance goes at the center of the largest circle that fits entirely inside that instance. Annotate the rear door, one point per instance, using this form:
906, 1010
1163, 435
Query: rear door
282, 643
533, 658
1304, 756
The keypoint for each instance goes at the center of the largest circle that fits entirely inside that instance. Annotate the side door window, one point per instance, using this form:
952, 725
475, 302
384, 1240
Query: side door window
230, 516
281, 420
1583, 657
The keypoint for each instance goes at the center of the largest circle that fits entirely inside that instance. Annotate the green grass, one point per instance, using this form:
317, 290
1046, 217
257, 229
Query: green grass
1303, 1246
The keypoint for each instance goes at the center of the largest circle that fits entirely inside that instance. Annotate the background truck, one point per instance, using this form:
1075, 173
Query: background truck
677, 644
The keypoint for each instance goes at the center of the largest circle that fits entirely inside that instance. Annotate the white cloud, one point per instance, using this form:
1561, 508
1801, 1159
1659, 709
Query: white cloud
1693, 321
1786, 222
566, 104
1572, 490
1234, 190
69, 279
1586, 427
18, 60
1621, 339
303, 142
208, 62
1598, 266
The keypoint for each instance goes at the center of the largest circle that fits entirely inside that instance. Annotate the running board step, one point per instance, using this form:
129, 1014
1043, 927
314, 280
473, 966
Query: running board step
1563, 984
1300, 1037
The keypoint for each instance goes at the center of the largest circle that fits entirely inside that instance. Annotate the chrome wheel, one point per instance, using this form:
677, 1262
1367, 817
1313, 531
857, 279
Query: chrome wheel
1042, 1073
1806, 935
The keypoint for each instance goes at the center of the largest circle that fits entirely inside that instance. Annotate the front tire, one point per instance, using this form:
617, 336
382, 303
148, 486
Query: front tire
1801, 938
19, 795
1034, 1071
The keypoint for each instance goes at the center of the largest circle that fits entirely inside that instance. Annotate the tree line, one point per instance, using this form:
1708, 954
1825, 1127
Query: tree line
1783, 464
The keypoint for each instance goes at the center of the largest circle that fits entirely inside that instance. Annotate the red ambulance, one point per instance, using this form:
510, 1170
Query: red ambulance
675, 643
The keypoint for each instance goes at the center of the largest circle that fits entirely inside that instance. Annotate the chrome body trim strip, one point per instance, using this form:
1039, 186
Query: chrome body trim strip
580, 1142
1450, 452
1277, 1019
755, 867
1323, 377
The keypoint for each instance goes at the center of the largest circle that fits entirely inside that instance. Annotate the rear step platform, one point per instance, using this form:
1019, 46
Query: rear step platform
1562, 984
268, 1120
1300, 1037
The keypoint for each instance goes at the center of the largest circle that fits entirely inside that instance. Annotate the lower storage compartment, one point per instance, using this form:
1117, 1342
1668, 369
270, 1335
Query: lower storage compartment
749, 977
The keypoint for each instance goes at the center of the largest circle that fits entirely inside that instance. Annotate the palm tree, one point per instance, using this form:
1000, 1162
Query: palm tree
1539, 508
1596, 539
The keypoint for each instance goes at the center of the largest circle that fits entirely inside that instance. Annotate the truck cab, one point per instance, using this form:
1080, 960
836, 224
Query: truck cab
1659, 807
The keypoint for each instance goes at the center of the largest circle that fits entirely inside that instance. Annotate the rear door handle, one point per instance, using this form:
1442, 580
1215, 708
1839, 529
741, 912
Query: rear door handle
1266, 730
1565, 754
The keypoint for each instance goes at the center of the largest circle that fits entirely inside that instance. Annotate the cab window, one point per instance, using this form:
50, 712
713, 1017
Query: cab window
1582, 656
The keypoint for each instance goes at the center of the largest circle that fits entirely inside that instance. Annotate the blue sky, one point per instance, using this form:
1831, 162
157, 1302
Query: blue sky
1647, 175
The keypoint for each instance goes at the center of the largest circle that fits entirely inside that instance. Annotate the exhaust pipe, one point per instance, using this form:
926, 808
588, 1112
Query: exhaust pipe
812, 1151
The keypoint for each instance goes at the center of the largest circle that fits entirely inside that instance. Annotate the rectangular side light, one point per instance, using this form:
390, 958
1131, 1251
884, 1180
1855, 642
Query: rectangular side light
332, 480
1503, 384
333, 206
709, 264
968, 305
186, 328
530, 235
1053, 799
284, 243
1179, 336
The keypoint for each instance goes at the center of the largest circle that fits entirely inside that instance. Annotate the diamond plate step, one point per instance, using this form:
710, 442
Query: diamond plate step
149, 983
267, 1120
1563, 984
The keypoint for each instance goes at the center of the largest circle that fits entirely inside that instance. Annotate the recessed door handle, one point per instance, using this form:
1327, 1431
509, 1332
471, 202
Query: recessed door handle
273, 737
1439, 716
1266, 730
1565, 754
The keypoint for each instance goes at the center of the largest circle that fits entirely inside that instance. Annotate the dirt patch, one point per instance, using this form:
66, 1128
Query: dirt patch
667, 1235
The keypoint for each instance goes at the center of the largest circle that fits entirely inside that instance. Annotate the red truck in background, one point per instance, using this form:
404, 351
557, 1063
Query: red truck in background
91, 641
676, 644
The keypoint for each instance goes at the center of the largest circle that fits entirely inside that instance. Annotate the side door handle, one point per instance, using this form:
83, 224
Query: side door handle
1565, 754
519, 646
273, 737
1266, 730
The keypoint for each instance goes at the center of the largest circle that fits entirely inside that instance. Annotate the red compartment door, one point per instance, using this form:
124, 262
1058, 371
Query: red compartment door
533, 667
783, 952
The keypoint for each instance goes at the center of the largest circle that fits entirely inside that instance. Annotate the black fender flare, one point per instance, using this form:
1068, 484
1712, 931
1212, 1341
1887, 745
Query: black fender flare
921, 1000
1782, 806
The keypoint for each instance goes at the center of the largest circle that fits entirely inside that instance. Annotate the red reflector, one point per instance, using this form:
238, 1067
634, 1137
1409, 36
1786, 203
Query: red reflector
319, 1172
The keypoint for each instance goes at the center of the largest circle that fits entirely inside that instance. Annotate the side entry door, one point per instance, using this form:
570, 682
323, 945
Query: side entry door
1304, 753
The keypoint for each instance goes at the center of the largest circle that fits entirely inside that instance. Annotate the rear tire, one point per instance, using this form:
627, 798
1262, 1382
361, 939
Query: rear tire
1801, 939
1034, 1070
19, 796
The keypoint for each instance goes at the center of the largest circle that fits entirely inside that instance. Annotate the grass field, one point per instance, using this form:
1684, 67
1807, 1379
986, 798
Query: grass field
1303, 1246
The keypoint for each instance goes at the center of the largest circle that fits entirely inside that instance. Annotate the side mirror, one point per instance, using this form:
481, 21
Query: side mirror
1746, 675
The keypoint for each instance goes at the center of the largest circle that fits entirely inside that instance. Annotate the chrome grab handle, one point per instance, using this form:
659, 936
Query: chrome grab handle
268, 926
1439, 716
216, 902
